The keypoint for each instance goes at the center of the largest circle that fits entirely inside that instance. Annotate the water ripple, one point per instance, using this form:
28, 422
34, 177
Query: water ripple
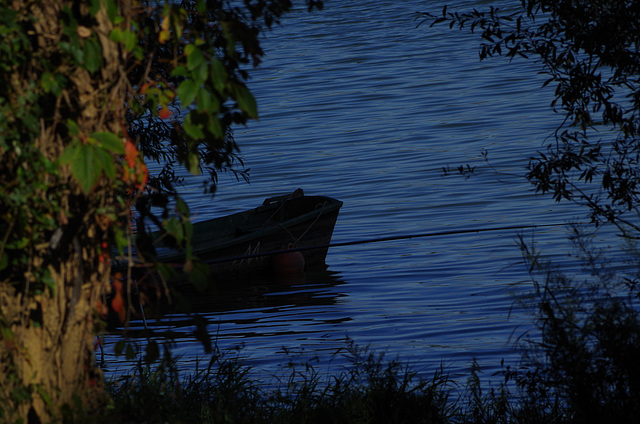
358, 104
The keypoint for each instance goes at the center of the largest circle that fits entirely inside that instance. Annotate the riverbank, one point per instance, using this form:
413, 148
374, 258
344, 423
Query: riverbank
371, 389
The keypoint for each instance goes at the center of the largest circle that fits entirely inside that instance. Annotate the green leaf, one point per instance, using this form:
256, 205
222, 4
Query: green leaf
246, 101
187, 92
126, 37
215, 127
44, 395
207, 102
219, 75
130, 40
85, 167
72, 127
47, 279
194, 57
109, 141
189, 48
120, 238
51, 83
116, 35
192, 129
73, 50
200, 73
18, 244
6, 333
179, 71
69, 155
92, 55
182, 207
193, 163
94, 7
139, 53
105, 161
173, 227
112, 10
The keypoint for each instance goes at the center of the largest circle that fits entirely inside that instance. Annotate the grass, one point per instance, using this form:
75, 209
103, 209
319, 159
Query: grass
370, 390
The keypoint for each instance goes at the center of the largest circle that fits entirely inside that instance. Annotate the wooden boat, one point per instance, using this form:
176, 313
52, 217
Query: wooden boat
246, 242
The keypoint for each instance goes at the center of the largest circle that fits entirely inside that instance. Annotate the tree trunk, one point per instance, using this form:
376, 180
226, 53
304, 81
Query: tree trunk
53, 337
46, 354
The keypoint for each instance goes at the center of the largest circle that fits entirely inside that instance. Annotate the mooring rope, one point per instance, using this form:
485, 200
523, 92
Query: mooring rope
382, 239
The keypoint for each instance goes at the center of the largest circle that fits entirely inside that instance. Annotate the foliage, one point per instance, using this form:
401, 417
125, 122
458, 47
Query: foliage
193, 74
91, 89
588, 49
590, 337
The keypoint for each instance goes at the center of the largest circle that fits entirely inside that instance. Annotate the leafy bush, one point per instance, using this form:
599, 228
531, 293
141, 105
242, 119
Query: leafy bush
587, 357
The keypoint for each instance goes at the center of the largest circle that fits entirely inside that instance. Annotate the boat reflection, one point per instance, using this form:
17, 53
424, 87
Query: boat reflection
235, 305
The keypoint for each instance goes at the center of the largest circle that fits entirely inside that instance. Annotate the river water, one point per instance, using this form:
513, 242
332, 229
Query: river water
359, 104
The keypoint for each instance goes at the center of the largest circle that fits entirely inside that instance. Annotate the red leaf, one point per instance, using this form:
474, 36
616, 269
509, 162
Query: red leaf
117, 303
130, 153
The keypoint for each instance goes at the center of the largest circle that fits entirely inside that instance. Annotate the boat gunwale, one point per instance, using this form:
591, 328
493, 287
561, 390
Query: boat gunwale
330, 205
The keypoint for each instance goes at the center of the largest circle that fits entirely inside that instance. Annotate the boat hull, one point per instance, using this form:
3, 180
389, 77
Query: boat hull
252, 237
246, 242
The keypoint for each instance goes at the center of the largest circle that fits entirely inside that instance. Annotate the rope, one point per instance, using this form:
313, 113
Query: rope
382, 239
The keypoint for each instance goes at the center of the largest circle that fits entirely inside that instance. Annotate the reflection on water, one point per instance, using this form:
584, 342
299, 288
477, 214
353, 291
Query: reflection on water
269, 294
236, 312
